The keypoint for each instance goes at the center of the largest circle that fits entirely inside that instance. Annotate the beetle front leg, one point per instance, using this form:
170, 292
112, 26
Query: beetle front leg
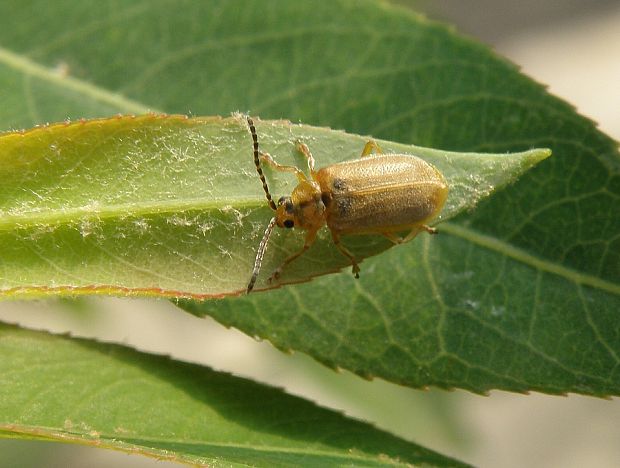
268, 159
310, 238
369, 147
303, 149
355, 268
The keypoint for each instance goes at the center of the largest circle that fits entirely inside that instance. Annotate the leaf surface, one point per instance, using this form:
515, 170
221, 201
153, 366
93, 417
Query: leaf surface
72, 390
521, 294
166, 205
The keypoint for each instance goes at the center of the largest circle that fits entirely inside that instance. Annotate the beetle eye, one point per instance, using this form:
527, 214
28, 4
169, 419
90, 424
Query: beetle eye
281, 200
289, 223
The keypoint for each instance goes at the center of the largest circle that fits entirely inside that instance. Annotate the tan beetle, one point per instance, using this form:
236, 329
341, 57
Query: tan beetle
376, 194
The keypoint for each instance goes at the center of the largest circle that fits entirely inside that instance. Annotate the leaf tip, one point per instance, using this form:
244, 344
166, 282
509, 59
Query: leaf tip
538, 154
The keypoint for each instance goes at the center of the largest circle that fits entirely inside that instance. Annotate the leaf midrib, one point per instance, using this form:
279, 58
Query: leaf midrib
121, 211
33, 69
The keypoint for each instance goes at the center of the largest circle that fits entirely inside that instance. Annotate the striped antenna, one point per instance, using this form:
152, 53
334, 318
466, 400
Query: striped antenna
260, 254
259, 169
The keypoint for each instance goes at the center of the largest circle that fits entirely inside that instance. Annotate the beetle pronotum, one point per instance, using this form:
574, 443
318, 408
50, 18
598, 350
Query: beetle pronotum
376, 194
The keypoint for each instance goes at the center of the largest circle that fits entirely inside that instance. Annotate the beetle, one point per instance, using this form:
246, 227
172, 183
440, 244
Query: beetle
376, 194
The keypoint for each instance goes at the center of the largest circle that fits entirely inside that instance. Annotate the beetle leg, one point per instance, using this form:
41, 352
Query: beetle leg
355, 268
266, 157
303, 149
369, 147
310, 238
414, 232
394, 238
430, 230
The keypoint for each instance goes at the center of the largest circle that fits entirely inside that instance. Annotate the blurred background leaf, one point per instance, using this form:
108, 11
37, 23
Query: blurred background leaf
110, 396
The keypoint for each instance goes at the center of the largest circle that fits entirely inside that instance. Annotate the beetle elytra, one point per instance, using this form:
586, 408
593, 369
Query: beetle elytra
376, 194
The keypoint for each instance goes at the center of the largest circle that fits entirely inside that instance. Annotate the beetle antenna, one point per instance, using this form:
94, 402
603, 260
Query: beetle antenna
259, 169
260, 254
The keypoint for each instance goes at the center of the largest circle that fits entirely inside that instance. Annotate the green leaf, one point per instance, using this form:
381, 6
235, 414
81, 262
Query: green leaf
166, 205
521, 294
72, 390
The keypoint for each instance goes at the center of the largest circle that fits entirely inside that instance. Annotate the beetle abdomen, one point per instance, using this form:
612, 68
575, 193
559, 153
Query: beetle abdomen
382, 193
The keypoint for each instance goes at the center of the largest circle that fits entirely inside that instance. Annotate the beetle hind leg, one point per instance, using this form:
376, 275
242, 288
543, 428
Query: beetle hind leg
414, 232
430, 230
394, 238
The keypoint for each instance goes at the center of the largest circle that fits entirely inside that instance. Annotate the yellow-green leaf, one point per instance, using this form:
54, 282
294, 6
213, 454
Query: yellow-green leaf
172, 206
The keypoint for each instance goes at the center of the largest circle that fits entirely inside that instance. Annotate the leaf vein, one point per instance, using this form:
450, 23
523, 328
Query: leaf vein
526, 258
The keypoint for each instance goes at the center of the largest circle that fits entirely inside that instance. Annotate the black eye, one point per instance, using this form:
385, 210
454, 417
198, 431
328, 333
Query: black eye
289, 223
281, 200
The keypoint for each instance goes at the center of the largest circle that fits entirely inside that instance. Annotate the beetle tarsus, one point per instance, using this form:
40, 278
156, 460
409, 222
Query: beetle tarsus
430, 230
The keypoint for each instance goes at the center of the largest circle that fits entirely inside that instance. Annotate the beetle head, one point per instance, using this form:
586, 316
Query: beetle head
285, 213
